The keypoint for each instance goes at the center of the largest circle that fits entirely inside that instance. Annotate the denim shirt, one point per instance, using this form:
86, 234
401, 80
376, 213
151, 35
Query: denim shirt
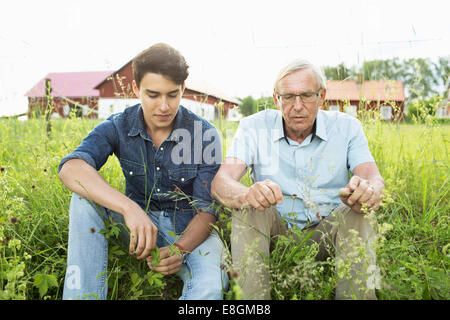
175, 177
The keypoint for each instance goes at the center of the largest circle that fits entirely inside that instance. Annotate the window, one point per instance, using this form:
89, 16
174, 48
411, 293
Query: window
386, 112
351, 110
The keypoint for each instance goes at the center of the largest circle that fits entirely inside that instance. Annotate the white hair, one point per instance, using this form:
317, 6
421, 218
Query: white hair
300, 64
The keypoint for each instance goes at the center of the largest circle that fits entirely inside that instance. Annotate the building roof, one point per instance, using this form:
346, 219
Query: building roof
208, 89
70, 84
369, 90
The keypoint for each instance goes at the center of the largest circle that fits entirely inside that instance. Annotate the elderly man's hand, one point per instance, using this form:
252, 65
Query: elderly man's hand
359, 191
264, 194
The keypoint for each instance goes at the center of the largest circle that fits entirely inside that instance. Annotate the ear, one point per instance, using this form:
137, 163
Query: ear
135, 89
276, 101
323, 93
183, 87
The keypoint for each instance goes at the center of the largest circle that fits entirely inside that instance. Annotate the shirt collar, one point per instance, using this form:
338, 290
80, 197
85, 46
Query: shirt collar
138, 126
279, 128
319, 128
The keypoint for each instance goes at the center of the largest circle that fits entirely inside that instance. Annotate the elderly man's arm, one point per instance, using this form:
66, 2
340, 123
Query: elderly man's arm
365, 186
227, 189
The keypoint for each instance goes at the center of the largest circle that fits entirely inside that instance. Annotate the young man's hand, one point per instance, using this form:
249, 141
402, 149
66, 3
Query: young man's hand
170, 262
143, 232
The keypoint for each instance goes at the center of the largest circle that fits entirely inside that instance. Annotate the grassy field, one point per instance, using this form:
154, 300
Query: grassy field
413, 251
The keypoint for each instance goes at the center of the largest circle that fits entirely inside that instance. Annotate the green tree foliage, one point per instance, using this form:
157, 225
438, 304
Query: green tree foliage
421, 110
442, 69
341, 72
391, 69
248, 106
265, 103
421, 76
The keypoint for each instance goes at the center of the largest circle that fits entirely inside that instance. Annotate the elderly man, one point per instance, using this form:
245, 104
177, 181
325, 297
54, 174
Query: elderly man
300, 159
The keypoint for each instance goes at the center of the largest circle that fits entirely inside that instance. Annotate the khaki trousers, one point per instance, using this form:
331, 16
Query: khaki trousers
343, 233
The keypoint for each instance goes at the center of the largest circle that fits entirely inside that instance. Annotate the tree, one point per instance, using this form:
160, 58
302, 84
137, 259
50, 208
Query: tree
419, 78
378, 70
442, 69
248, 106
341, 72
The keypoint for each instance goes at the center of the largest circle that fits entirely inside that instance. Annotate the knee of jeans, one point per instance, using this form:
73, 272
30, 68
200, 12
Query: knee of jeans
212, 288
84, 211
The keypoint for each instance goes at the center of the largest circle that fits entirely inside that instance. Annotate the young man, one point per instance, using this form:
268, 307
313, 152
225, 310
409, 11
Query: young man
300, 158
169, 157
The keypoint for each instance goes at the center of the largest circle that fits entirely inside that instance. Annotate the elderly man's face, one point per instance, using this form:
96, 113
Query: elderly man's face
299, 113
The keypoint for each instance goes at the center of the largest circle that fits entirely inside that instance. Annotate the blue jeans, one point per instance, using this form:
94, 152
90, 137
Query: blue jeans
87, 256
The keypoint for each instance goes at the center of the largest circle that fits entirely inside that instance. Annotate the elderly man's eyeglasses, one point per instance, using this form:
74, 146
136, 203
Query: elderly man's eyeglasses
306, 97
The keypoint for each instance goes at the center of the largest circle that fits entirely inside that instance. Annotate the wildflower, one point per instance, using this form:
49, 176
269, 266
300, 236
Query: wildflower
92, 230
234, 274
2, 169
177, 190
14, 220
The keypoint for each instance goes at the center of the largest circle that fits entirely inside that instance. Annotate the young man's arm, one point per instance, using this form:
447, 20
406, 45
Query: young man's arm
80, 177
79, 172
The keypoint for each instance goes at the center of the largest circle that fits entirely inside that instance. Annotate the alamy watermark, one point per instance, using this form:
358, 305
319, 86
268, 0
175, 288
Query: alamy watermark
253, 146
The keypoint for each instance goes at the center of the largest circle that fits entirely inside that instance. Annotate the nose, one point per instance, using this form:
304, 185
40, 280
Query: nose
164, 104
298, 103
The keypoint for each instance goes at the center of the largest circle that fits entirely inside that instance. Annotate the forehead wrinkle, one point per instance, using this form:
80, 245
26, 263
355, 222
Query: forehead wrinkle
297, 81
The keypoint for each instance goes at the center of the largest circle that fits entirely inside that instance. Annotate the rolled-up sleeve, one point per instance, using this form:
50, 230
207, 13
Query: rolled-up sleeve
358, 149
244, 144
96, 147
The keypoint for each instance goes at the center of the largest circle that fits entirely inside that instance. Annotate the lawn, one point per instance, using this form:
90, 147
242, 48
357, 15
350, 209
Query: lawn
413, 248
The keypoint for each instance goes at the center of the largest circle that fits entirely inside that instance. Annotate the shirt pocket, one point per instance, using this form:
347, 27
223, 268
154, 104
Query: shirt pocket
134, 173
182, 176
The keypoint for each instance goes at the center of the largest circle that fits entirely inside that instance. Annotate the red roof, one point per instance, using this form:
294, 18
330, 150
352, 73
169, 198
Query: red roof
369, 90
70, 84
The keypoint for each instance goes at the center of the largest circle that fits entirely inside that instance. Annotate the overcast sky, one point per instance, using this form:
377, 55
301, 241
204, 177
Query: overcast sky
237, 46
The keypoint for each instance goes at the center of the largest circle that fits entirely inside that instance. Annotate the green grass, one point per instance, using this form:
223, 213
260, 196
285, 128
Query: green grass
414, 245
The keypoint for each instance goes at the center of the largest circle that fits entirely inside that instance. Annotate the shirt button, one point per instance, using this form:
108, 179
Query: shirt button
158, 190
131, 173
182, 179
161, 148
157, 168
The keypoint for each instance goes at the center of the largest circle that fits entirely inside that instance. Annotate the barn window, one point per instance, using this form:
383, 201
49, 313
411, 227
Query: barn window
386, 112
333, 108
351, 110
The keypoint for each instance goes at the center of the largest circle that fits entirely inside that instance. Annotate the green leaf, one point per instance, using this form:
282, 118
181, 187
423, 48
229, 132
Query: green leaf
43, 282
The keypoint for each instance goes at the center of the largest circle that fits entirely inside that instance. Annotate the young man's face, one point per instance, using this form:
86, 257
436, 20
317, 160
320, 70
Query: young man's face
299, 116
160, 99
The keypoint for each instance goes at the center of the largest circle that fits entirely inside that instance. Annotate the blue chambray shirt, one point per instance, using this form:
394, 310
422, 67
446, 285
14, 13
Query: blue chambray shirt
175, 178
309, 174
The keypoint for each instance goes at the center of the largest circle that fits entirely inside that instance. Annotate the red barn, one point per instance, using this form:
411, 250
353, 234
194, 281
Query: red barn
116, 94
70, 91
354, 97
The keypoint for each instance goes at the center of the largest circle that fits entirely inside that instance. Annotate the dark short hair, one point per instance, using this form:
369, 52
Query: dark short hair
161, 59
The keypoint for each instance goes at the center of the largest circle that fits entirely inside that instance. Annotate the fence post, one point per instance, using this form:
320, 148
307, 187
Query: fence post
48, 109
